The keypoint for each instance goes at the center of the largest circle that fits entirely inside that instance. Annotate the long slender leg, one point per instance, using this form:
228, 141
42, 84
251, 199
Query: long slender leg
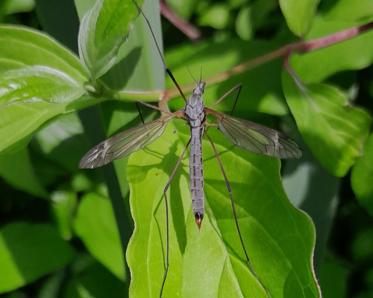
216, 153
167, 221
237, 88
168, 71
140, 113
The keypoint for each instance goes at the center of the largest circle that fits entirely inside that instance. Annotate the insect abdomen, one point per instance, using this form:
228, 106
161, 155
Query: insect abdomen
196, 173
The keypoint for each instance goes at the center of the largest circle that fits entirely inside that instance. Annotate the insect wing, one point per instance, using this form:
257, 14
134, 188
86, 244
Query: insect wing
123, 143
258, 138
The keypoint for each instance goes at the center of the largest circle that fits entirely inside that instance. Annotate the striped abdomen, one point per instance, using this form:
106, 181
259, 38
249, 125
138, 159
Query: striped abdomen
196, 173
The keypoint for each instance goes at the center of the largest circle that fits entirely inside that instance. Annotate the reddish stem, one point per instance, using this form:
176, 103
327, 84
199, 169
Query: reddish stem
301, 47
190, 31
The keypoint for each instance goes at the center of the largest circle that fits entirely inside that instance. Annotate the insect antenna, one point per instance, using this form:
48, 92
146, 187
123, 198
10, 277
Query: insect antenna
168, 71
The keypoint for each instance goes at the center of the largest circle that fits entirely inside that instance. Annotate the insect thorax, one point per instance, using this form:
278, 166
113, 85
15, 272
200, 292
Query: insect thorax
194, 108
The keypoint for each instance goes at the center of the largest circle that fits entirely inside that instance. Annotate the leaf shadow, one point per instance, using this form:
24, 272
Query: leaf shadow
174, 197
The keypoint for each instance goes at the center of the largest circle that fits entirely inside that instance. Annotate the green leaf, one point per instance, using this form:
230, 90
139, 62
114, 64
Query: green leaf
95, 281
63, 141
39, 78
332, 273
11, 165
312, 189
28, 252
216, 16
334, 130
95, 225
210, 261
16, 6
261, 90
63, 208
353, 54
348, 11
362, 173
103, 30
243, 23
362, 245
27, 47
299, 14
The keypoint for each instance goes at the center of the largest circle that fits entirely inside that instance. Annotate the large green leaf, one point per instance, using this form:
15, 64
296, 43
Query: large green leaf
27, 47
210, 261
334, 130
362, 175
261, 90
95, 225
299, 14
353, 54
39, 78
29, 251
103, 30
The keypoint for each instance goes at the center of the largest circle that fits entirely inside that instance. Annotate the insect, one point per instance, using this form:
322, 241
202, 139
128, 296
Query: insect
242, 133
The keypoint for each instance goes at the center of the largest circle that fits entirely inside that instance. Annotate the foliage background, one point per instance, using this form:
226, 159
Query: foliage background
71, 248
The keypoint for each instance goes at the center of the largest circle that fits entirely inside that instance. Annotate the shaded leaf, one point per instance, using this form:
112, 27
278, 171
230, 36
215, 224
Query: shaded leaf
261, 89
95, 281
63, 208
362, 173
95, 225
299, 14
29, 251
103, 30
16, 6
332, 273
334, 130
313, 190
210, 261
11, 165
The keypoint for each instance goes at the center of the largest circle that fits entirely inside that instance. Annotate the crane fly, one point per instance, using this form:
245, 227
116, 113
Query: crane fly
245, 134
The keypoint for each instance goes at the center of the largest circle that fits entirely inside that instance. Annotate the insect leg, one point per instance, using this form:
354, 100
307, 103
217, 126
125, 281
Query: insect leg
217, 155
167, 221
237, 89
140, 113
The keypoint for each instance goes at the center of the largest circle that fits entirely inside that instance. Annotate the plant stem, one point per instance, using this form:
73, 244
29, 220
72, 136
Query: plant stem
300, 47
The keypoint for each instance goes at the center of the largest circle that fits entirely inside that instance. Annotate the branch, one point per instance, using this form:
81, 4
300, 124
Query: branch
189, 30
300, 47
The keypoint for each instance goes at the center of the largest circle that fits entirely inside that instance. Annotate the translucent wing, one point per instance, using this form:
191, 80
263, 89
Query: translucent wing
123, 143
257, 138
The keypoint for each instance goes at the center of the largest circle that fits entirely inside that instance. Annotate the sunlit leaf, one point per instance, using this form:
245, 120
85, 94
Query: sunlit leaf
28, 252
299, 14
103, 30
39, 78
332, 128
210, 261
345, 10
